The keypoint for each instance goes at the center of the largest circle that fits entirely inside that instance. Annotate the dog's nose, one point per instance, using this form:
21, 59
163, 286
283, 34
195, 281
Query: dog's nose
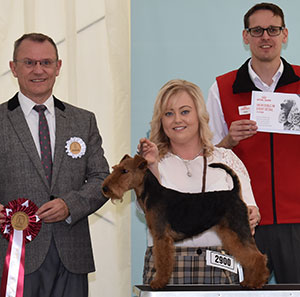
105, 189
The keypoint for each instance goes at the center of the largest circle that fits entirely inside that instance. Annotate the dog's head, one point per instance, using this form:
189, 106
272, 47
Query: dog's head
287, 105
128, 174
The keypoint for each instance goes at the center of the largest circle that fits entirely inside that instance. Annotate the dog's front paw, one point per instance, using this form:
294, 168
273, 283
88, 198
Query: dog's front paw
158, 284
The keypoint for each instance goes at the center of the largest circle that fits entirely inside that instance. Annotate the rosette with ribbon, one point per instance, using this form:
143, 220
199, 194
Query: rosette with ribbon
21, 226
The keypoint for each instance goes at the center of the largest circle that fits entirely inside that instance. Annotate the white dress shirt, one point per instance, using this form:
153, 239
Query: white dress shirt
32, 119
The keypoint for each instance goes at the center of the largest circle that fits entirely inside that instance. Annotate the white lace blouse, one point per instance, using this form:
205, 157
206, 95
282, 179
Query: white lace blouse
174, 174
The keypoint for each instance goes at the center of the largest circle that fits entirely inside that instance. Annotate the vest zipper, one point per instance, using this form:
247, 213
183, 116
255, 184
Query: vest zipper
273, 178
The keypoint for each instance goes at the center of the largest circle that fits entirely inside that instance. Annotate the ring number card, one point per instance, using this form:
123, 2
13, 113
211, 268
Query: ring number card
220, 260
223, 261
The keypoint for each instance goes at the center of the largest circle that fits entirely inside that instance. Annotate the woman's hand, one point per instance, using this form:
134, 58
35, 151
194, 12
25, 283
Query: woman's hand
149, 151
254, 217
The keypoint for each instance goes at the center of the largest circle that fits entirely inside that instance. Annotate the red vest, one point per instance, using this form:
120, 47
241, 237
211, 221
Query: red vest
272, 159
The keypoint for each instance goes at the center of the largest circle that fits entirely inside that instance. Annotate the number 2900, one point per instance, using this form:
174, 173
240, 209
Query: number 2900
222, 260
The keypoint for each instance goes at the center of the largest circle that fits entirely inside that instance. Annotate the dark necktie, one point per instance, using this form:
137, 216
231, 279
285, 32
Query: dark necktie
45, 144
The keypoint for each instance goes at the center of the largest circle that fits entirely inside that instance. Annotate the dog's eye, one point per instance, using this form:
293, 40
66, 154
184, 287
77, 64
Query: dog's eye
124, 171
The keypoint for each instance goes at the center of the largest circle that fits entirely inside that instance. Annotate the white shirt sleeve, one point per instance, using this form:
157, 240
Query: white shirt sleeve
230, 159
217, 122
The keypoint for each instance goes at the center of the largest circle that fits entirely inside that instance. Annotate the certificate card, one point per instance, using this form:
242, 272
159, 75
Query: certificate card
276, 112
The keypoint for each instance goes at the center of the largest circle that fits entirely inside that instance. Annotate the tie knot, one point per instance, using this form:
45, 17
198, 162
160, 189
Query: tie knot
39, 108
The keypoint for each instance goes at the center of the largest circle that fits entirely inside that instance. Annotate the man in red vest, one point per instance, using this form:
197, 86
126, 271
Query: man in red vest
272, 159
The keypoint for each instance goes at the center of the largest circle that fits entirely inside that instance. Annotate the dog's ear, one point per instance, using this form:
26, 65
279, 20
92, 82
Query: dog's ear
140, 162
125, 157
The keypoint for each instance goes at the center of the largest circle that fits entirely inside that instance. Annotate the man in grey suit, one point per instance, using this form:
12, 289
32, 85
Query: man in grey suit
58, 260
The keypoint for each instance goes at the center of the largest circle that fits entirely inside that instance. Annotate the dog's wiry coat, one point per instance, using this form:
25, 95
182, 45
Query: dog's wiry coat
173, 216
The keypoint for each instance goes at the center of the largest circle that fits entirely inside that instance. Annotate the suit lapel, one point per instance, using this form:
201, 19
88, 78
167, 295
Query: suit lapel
61, 135
18, 121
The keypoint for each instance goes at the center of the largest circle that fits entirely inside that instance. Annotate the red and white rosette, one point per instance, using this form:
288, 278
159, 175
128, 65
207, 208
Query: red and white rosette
21, 226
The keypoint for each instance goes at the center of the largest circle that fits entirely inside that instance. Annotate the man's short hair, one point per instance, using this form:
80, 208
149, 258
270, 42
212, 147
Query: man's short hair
36, 37
277, 11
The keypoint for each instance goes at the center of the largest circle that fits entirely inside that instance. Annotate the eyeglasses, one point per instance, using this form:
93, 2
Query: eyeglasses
45, 63
259, 31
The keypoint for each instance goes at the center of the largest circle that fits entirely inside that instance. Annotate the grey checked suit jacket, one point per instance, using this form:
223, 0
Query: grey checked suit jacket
76, 181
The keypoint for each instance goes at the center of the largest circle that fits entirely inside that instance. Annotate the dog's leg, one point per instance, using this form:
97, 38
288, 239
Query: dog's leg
254, 263
163, 250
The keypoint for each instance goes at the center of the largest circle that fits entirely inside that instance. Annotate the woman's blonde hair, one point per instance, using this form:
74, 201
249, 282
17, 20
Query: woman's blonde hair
172, 87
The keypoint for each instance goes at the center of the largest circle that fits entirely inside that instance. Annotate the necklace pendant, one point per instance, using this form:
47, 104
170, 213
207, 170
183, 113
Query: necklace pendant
189, 174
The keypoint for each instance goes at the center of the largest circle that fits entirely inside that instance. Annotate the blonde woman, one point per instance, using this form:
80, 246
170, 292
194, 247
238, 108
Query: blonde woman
178, 152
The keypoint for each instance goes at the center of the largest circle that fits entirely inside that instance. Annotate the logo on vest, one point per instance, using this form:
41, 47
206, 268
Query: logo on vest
245, 109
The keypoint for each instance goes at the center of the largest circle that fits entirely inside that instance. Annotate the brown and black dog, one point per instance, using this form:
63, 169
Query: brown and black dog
173, 216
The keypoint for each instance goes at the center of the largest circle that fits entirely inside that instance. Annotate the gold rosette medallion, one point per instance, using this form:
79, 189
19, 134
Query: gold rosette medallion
20, 220
75, 147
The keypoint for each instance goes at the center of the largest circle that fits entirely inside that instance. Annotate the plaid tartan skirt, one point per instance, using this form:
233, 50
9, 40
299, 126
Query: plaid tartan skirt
190, 268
